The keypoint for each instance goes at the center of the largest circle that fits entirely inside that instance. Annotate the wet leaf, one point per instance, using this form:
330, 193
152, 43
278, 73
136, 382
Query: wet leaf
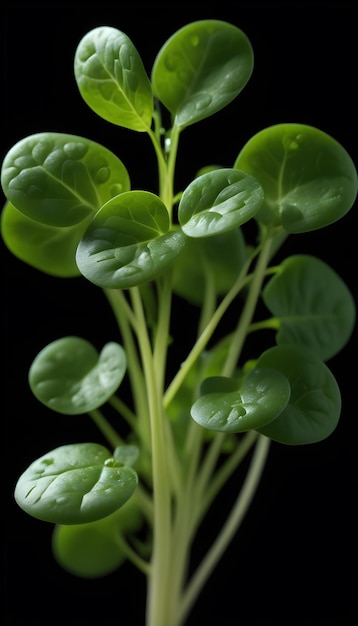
74, 484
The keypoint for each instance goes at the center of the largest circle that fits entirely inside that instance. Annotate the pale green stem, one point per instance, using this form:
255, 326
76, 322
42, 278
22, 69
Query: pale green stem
132, 555
180, 550
208, 466
273, 323
157, 601
159, 358
124, 411
124, 317
167, 193
228, 531
221, 477
205, 336
145, 503
248, 311
164, 183
106, 429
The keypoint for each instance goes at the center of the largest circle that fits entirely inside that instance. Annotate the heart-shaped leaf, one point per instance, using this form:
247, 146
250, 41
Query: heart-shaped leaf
74, 484
219, 201
50, 249
218, 259
59, 180
314, 407
236, 405
112, 80
313, 305
308, 178
201, 69
128, 242
70, 377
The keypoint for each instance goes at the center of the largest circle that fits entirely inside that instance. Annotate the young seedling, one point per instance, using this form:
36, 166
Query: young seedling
71, 211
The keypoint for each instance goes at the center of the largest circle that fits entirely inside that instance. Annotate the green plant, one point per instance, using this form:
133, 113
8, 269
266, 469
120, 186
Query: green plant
71, 210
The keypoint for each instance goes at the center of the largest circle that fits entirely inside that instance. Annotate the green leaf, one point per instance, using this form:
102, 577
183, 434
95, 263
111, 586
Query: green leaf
201, 69
92, 550
112, 80
70, 377
74, 484
236, 405
309, 179
50, 249
126, 455
87, 550
128, 242
217, 260
219, 201
59, 180
314, 407
313, 305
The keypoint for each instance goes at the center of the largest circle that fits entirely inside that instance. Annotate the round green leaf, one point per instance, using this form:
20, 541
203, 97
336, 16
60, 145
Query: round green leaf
92, 550
219, 201
112, 80
313, 305
59, 180
201, 69
87, 550
50, 249
128, 242
74, 484
236, 405
218, 259
309, 179
314, 407
70, 377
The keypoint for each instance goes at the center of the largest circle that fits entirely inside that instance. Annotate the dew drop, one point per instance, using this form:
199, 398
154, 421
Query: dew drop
204, 102
195, 40
171, 62
116, 189
102, 175
75, 150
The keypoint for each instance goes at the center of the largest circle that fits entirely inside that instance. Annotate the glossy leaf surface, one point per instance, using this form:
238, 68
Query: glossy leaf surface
239, 404
201, 69
216, 260
50, 249
314, 306
309, 179
128, 241
59, 180
74, 484
314, 407
112, 80
70, 377
219, 201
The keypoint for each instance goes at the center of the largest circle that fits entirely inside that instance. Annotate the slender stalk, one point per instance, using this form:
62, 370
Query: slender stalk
127, 323
228, 531
124, 411
132, 555
226, 470
106, 429
248, 311
157, 608
205, 336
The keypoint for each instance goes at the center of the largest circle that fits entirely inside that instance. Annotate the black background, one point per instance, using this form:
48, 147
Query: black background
295, 556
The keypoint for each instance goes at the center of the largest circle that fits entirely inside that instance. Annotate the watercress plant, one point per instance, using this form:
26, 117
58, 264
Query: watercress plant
71, 211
